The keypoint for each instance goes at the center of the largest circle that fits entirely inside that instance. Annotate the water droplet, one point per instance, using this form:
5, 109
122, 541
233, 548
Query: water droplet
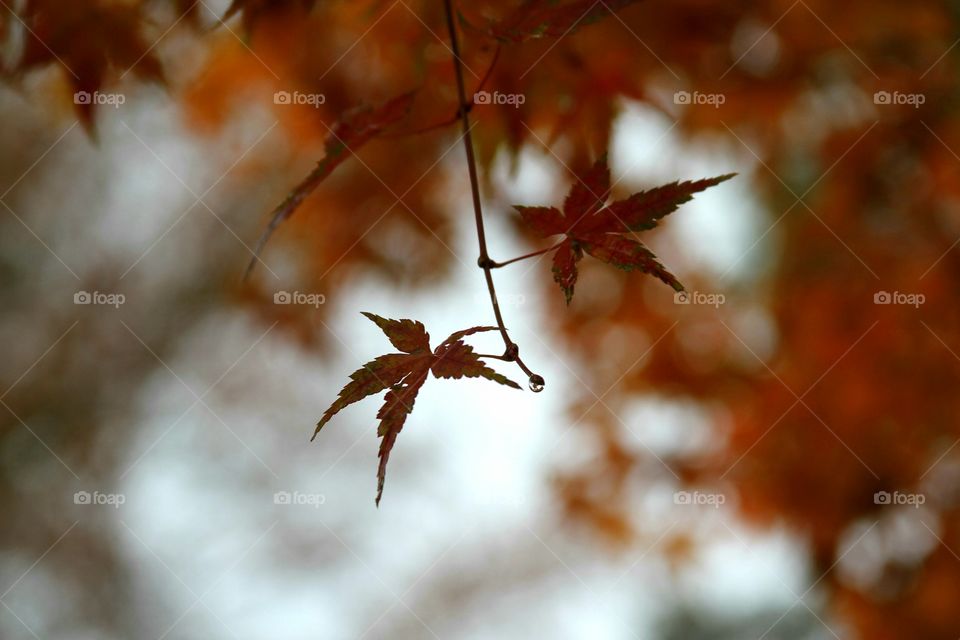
536, 383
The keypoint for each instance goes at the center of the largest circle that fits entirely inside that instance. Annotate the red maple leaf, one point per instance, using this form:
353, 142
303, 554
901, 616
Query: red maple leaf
356, 128
402, 374
602, 231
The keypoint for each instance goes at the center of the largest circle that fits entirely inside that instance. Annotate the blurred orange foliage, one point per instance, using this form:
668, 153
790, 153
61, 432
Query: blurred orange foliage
846, 397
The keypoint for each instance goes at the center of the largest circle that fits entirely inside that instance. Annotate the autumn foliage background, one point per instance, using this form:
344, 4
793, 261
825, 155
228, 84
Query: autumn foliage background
507, 514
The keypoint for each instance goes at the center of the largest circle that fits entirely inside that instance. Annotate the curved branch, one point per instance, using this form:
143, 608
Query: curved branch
512, 351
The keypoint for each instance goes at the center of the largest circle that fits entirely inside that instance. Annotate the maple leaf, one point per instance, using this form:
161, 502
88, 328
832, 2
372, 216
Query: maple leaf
90, 40
600, 230
357, 127
402, 374
548, 18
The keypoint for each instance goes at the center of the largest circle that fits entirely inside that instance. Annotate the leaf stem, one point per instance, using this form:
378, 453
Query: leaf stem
532, 254
511, 352
492, 356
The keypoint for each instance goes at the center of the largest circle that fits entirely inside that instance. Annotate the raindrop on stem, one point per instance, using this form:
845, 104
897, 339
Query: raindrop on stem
536, 383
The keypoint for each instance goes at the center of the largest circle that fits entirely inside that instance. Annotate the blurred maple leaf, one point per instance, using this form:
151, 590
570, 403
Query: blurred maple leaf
252, 10
404, 373
600, 231
90, 40
352, 131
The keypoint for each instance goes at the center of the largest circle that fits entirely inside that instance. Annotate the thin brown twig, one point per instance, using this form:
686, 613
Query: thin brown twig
511, 352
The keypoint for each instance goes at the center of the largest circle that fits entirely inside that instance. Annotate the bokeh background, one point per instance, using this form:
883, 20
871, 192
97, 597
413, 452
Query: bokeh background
775, 458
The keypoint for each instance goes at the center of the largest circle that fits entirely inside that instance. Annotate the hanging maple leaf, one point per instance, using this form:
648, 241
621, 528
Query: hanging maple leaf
548, 18
404, 373
353, 130
90, 40
601, 231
